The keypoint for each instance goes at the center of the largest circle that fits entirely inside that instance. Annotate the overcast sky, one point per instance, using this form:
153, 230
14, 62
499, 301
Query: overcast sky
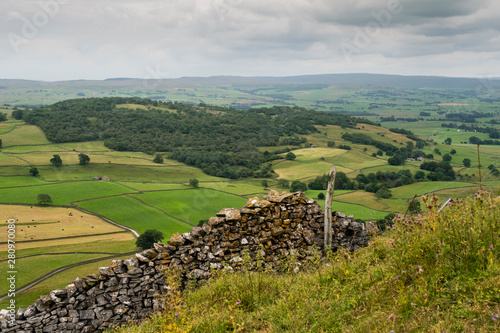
54, 40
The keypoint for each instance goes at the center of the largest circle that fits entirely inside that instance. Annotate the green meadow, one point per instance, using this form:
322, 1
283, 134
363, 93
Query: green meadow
62, 193
144, 195
135, 214
192, 205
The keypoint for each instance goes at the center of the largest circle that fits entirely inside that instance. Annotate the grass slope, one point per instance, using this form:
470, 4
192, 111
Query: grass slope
133, 213
192, 205
431, 273
63, 193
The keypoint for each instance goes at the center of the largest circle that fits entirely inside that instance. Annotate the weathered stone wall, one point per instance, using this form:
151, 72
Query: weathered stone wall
279, 225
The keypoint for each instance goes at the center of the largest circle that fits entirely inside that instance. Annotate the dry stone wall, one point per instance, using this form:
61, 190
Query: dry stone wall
273, 228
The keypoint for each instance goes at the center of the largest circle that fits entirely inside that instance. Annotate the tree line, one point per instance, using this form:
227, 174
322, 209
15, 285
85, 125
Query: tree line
221, 141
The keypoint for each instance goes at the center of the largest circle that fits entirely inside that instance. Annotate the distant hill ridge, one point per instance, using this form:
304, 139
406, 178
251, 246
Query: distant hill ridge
381, 80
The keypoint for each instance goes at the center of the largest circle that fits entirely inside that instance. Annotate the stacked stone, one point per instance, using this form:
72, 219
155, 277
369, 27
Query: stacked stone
270, 229
124, 291
348, 233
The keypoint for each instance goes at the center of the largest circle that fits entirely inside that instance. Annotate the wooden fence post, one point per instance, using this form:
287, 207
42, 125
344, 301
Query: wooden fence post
328, 210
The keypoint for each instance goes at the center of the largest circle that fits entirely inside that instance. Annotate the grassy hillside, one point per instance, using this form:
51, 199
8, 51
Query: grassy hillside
428, 273
146, 195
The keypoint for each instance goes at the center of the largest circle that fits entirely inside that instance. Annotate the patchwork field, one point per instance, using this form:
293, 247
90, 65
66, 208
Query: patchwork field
47, 238
144, 195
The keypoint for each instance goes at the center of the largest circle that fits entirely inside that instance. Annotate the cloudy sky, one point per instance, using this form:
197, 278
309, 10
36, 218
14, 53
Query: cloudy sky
97, 39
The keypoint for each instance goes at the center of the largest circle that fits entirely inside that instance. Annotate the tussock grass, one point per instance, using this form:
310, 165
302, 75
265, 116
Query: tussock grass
429, 273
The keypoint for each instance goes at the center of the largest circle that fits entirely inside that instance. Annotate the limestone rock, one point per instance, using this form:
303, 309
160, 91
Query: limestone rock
230, 214
176, 240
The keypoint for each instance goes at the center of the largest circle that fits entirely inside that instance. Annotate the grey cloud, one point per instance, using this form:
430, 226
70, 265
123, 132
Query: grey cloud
210, 37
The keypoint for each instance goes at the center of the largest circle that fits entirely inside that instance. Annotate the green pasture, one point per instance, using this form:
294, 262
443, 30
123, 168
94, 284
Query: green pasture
294, 170
412, 166
192, 205
133, 213
58, 281
63, 193
33, 148
433, 130
8, 125
90, 246
162, 174
356, 160
366, 199
244, 188
146, 186
24, 135
87, 146
6, 181
307, 154
359, 212
314, 193
71, 158
408, 191
31, 268
11, 160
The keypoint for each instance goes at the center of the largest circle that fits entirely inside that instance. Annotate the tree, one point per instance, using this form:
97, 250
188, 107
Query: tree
342, 182
453, 151
447, 157
319, 183
321, 195
437, 151
3, 117
17, 114
283, 183
330, 144
467, 162
290, 156
34, 172
44, 199
419, 175
0, 143
148, 238
56, 161
158, 159
84, 159
383, 193
297, 185
447, 141
265, 183
397, 159
474, 140
194, 183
